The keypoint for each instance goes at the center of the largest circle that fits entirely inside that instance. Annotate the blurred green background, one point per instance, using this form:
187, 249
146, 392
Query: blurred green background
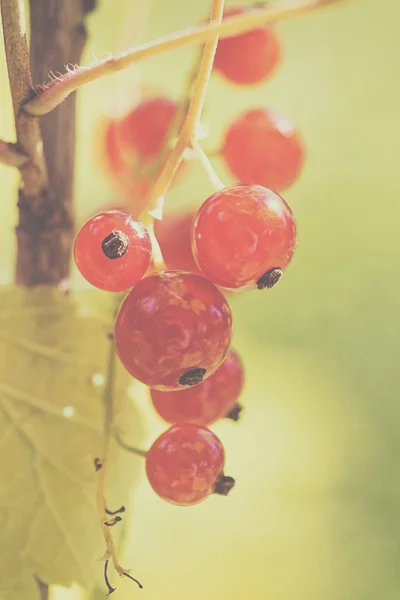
316, 510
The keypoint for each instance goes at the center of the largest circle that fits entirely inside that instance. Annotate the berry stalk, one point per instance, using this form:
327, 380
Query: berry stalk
56, 91
101, 466
192, 121
207, 166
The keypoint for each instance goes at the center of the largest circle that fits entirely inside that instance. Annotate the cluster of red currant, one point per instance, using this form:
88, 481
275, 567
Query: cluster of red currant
173, 329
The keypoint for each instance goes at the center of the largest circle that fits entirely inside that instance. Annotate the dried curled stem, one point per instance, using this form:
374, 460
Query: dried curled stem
101, 466
61, 86
34, 175
11, 156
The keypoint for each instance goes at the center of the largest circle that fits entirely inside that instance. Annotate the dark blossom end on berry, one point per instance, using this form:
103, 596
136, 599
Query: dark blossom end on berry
269, 279
192, 377
235, 413
224, 485
115, 245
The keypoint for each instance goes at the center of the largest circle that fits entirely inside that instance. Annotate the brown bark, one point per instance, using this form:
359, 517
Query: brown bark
45, 229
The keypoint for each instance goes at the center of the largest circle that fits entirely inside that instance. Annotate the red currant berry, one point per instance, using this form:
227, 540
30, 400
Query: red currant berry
207, 402
173, 330
263, 147
113, 157
113, 251
249, 57
185, 464
173, 234
145, 129
243, 237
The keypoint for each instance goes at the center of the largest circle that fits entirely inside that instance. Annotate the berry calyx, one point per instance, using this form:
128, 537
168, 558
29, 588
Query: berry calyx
269, 279
113, 251
235, 413
243, 237
192, 377
263, 147
250, 57
223, 485
185, 465
173, 329
213, 399
115, 245
146, 128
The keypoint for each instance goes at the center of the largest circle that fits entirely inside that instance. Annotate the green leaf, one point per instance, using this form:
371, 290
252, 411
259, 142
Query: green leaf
51, 422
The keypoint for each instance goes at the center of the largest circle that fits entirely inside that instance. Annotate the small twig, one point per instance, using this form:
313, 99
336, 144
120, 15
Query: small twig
11, 156
34, 175
158, 259
107, 581
127, 447
192, 121
56, 91
207, 166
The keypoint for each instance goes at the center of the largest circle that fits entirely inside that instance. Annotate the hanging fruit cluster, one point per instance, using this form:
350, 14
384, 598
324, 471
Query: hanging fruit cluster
173, 329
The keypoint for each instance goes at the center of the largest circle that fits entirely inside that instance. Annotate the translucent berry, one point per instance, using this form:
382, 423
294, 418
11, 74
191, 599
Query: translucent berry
113, 251
173, 234
113, 157
173, 330
263, 147
185, 464
145, 129
243, 237
207, 402
249, 57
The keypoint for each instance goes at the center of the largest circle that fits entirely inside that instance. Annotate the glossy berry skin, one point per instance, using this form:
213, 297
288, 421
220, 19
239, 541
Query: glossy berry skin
145, 129
173, 234
250, 57
173, 330
264, 148
113, 251
207, 402
241, 233
184, 464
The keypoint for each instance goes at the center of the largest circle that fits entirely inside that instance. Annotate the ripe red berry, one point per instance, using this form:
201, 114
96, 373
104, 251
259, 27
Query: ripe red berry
243, 237
113, 251
207, 402
173, 234
263, 147
173, 330
145, 129
185, 465
114, 159
249, 57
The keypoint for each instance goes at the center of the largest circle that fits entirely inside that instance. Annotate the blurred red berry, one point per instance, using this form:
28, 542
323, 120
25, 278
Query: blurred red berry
249, 57
145, 129
173, 234
264, 148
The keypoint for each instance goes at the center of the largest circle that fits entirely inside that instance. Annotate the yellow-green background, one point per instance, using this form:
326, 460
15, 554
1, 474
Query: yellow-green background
316, 510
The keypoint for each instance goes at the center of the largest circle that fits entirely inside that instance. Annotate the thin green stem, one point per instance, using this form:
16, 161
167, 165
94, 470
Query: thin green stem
207, 166
191, 124
127, 447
